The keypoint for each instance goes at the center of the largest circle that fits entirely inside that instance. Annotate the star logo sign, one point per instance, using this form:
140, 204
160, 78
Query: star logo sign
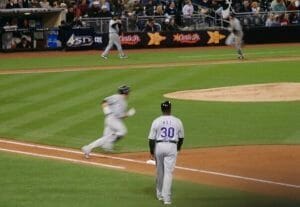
215, 37
155, 38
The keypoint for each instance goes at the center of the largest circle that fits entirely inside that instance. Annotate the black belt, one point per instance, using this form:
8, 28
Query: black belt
170, 141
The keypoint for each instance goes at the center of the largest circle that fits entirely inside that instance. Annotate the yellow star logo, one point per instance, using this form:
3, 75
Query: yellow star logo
215, 37
155, 38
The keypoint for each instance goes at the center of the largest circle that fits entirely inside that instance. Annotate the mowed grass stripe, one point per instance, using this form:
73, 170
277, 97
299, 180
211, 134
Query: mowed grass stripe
54, 103
36, 89
89, 107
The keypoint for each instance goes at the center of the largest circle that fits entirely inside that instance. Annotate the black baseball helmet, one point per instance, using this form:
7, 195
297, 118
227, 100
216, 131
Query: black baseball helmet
165, 106
124, 89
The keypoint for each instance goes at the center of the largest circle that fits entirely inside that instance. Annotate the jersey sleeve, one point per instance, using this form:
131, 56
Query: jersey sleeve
180, 129
110, 100
153, 131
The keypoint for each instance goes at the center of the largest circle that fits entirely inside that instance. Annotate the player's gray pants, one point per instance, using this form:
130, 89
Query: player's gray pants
113, 128
114, 39
235, 40
165, 154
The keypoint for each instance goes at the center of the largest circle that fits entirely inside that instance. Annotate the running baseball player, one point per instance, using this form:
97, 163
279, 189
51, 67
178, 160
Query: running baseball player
165, 140
236, 35
115, 110
114, 38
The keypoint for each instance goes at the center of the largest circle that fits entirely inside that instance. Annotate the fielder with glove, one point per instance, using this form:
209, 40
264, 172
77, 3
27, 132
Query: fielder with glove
115, 110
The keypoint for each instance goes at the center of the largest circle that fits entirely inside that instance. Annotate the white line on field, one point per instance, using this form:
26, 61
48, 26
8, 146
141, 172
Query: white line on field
199, 55
144, 162
62, 158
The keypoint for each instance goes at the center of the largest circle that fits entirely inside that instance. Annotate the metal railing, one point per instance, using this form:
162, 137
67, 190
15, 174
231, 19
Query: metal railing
136, 23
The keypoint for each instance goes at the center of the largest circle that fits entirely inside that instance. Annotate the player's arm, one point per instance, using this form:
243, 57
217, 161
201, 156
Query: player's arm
105, 108
152, 140
151, 148
180, 136
179, 144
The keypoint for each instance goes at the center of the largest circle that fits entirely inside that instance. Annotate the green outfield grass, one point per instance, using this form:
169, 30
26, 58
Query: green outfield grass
63, 109
153, 56
32, 182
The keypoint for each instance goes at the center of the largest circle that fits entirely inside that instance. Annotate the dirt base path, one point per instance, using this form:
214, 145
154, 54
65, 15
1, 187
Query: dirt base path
272, 170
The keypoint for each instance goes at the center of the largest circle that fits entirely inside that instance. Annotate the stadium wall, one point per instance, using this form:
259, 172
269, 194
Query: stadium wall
87, 38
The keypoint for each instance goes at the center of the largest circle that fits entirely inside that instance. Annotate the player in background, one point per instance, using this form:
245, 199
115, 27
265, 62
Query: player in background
236, 35
114, 38
115, 110
165, 140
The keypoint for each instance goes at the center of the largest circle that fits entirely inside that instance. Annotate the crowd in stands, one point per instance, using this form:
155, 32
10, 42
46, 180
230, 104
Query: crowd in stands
175, 12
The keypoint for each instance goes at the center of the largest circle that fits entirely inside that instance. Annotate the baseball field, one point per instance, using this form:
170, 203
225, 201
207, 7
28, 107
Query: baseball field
237, 152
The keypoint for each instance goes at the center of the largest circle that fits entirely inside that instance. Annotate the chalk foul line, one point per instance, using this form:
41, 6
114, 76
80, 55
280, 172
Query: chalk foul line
257, 180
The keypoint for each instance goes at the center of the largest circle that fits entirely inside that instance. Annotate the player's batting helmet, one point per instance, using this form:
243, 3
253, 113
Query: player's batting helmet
165, 106
124, 89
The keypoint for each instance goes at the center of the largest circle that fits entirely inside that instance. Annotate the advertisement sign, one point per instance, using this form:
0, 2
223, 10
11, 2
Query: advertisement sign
52, 39
80, 38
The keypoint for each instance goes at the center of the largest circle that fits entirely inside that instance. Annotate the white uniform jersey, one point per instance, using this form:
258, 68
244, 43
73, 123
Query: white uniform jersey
117, 104
166, 128
113, 26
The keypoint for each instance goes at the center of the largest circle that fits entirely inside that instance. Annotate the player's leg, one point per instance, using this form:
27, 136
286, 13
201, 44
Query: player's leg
109, 46
118, 44
169, 165
238, 46
159, 156
230, 39
107, 133
119, 130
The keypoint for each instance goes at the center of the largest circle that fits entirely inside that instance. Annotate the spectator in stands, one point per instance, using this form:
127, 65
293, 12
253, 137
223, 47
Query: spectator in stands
278, 6
205, 3
137, 8
293, 17
187, 11
45, 4
204, 6
34, 4
106, 3
55, 4
117, 6
12, 4
169, 25
94, 10
152, 26
272, 20
104, 12
255, 9
246, 7
171, 9
284, 20
159, 11
83, 7
149, 8
70, 16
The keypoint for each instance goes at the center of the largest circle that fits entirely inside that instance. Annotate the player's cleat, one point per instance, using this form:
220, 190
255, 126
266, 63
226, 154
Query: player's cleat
104, 57
160, 198
123, 56
240, 57
167, 202
86, 153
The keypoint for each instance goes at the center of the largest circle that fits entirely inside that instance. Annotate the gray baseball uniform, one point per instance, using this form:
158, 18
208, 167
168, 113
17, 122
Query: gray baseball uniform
236, 36
113, 124
114, 38
166, 130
